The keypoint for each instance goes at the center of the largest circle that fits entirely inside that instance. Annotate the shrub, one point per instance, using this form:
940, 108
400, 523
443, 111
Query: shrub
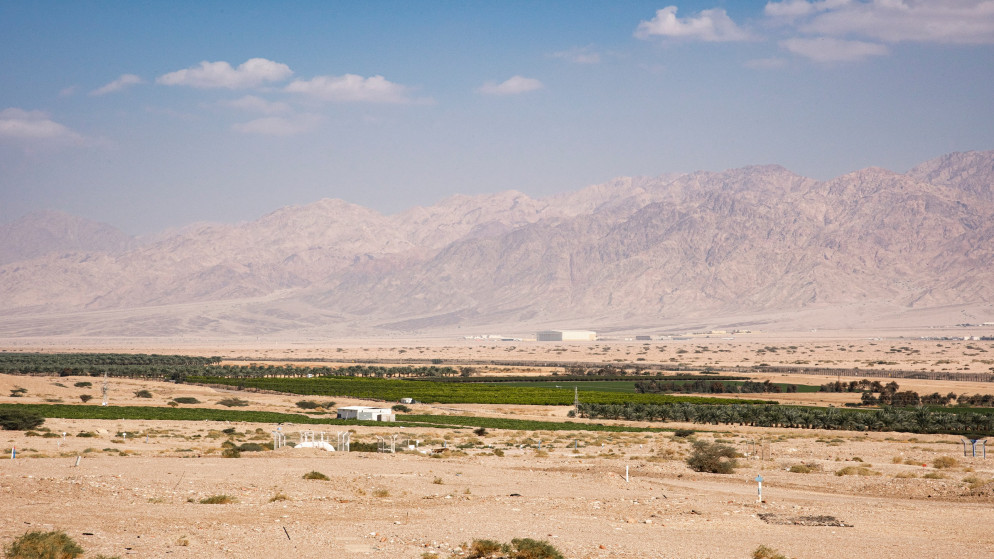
143, 393
856, 471
16, 420
251, 447
438, 481
308, 405
712, 458
85, 398
683, 433
520, 548
802, 469
217, 500
498, 453
480, 431
43, 545
83, 384
18, 392
528, 548
86, 434
231, 453
233, 402
763, 552
316, 475
943, 462
186, 400
401, 408
486, 548
381, 493
279, 496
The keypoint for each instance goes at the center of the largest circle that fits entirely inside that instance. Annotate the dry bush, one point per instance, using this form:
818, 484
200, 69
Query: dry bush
43, 545
856, 471
218, 500
316, 475
713, 458
943, 462
763, 552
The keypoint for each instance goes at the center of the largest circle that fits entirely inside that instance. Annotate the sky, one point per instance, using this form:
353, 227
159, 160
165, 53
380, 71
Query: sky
153, 115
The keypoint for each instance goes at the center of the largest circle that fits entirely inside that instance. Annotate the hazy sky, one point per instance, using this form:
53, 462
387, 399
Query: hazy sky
148, 115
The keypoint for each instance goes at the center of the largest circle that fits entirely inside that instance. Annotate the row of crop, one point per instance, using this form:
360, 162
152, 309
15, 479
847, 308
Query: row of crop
520, 424
68, 411
54, 362
178, 367
445, 393
917, 420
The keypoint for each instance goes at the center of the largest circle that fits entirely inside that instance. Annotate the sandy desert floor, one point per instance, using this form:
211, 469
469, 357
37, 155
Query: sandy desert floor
140, 495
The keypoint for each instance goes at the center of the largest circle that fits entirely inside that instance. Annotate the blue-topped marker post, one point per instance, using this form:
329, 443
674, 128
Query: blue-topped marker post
759, 480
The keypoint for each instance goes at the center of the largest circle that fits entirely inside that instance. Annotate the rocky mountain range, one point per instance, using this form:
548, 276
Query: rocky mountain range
745, 248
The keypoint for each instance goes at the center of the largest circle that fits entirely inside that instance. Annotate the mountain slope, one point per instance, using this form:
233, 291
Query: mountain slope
744, 242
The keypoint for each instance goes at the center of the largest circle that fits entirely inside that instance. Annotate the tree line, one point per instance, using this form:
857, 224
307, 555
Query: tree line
875, 393
711, 387
916, 420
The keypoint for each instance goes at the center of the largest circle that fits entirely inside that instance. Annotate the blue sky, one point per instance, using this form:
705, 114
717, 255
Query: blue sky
149, 115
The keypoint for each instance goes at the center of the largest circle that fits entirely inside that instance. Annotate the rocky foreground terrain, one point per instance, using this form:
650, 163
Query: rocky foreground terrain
758, 247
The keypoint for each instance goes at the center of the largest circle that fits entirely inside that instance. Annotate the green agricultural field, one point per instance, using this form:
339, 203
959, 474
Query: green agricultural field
622, 386
67, 411
521, 424
450, 393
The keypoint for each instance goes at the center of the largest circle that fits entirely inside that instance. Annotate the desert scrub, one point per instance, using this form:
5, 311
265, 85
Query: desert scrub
17, 420
218, 500
279, 496
143, 393
381, 493
520, 548
43, 545
233, 402
186, 400
764, 552
804, 468
935, 475
856, 471
316, 475
712, 458
944, 462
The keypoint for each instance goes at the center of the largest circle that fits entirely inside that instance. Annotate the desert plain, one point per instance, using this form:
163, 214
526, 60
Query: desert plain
134, 487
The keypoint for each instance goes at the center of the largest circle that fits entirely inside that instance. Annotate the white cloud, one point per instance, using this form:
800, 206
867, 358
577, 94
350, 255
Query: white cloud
68, 91
579, 55
126, 80
33, 125
351, 87
893, 21
708, 25
791, 9
251, 73
278, 125
512, 86
828, 49
254, 104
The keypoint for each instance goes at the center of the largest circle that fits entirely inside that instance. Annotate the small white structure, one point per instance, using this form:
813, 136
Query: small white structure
307, 440
366, 413
566, 336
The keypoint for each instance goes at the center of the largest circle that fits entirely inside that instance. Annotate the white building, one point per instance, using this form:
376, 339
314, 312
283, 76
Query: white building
366, 413
566, 336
